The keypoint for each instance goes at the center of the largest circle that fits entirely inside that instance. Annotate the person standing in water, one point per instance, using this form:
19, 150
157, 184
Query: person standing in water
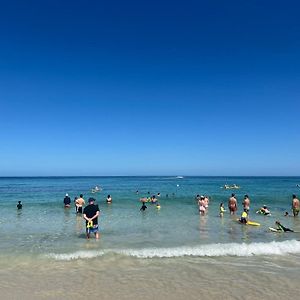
91, 214
232, 204
19, 205
109, 199
144, 207
222, 210
295, 205
246, 203
67, 201
79, 204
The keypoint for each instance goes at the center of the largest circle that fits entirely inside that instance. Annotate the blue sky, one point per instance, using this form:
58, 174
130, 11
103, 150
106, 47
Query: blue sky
149, 88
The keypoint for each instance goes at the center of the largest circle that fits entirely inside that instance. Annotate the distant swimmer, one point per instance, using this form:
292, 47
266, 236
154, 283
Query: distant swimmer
157, 205
144, 207
282, 228
19, 205
295, 205
201, 205
109, 199
153, 199
232, 204
264, 211
96, 189
79, 204
67, 201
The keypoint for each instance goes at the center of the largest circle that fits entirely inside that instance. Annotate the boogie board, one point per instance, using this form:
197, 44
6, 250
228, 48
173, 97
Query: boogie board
276, 230
249, 223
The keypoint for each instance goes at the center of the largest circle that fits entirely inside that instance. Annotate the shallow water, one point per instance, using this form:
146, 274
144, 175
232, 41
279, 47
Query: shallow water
167, 253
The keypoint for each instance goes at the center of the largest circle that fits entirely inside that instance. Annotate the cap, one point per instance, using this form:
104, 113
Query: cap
91, 200
67, 195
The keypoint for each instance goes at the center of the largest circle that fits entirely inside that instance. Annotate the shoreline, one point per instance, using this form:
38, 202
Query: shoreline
129, 278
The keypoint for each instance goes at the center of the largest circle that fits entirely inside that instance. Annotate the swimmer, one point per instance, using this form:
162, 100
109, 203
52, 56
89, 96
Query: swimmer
157, 205
282, 228
295, 206
232, 204
222, 210
264, 211
201, 204
19, 205
109, 199
79, 204
286, 214
153, 199
246, 202
144, 207
67, 201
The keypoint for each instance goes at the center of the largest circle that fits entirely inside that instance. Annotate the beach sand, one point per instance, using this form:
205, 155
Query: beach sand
117, 277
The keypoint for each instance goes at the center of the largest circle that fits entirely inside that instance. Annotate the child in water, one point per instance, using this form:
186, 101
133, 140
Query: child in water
222, 209
244, 217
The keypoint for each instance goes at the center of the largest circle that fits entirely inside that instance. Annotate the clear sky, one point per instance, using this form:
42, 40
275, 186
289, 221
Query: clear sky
149, 87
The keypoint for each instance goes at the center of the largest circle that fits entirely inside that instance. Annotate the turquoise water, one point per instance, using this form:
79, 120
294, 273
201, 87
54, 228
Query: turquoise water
44, 228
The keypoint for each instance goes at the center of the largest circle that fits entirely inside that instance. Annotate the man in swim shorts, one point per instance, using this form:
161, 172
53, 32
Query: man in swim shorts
246, 202
232, 204
79, 204
295, 206
91, 214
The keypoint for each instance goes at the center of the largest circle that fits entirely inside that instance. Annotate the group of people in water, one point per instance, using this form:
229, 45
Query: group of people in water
203, 202
153, 200
90, 212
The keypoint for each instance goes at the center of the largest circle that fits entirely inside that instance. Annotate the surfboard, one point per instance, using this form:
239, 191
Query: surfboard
249, 223
253, 223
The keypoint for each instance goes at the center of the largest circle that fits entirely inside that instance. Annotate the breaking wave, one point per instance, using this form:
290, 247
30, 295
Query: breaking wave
210, 250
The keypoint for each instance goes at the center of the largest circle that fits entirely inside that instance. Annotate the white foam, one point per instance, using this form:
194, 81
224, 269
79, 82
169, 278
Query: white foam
76, 255
210, 250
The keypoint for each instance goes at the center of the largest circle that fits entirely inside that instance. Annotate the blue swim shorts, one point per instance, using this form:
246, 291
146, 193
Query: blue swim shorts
93, 229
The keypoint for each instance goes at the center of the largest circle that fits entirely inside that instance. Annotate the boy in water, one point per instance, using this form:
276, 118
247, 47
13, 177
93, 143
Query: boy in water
244, 217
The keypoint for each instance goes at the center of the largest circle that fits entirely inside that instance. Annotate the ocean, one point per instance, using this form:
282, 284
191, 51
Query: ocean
171, 253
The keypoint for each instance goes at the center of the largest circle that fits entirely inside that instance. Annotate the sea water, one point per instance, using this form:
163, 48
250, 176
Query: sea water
45, 234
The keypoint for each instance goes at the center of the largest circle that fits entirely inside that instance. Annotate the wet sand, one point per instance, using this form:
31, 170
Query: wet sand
118, 277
